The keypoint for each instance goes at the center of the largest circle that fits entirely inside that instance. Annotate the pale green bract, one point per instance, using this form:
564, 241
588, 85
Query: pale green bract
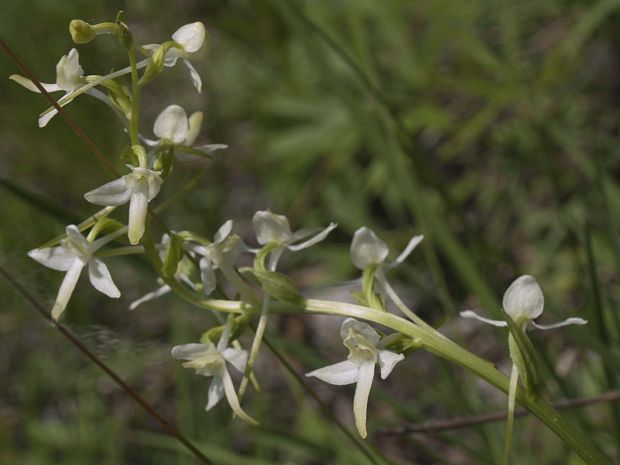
364, 353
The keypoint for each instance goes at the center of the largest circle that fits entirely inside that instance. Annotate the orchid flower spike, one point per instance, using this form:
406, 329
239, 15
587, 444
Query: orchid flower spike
69, 78
368, 250
173, 127
182, 275
73, 254
364, 353
224, 250
209, 360
524, 301
190, 39
138, 188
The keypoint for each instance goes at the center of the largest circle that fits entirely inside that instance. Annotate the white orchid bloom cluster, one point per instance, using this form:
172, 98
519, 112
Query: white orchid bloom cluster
364, 345
74, 253
524, 301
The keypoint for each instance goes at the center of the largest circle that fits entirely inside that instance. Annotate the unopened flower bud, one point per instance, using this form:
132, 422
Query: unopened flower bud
81, 31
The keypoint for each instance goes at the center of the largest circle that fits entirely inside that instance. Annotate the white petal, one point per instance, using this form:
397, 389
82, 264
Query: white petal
69, 72
171, 124
194, 76
57, 258
524, 300
362, 392
190, 36
569, 321
413, 243
194, 125
231, 397
138, 207
387, 360
216, 392
48, 114
191, 351
101, 279
66, 288
361, 328
270, 227
314, 240
77, 239
367, 249
113, 193
473, 315
223, 232
28, 84
338, 374
207, 276
165, 289
237, 358
211, 148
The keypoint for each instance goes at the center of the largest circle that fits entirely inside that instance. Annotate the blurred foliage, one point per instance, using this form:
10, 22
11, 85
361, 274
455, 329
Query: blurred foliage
491, 127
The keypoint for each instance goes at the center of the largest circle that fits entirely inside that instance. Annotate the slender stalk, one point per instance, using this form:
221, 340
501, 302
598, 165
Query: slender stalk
135, 101
512, 390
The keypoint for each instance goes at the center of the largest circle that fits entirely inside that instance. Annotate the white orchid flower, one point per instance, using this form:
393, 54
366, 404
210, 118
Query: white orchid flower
225, 248
138, 188
182, 274
524, 301
173, 127
364, 353
367, 250
209, 360
272, 228
73, 254
190, 38
69, 78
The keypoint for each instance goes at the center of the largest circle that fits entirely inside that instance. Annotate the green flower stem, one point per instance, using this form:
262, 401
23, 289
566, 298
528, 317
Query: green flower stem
135, 102
447, 349
121, 251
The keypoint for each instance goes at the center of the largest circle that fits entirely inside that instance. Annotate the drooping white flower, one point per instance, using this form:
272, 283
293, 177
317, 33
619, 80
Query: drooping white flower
69, 78
211, 361
367, 250
226, 247
182, 274
523, 301
73, 254
173, 127
364, 353
190, 38
272, 228
138, 188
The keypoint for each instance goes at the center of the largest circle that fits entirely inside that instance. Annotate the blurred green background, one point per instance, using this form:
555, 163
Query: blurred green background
489, 126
